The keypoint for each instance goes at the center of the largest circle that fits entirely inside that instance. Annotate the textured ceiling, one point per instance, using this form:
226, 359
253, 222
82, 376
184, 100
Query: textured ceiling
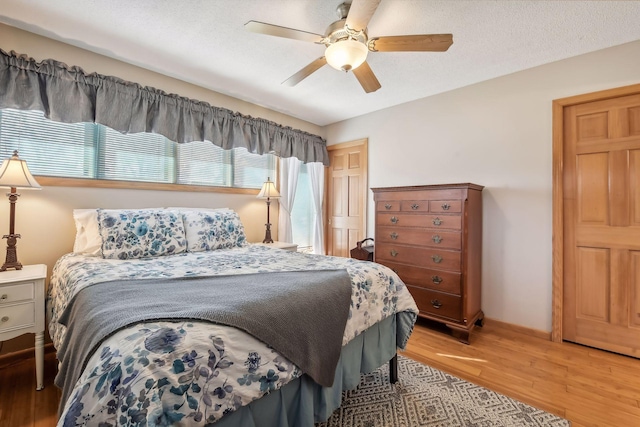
204, 42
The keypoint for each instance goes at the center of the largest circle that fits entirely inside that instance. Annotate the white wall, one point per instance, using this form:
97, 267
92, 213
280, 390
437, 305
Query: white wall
498, 134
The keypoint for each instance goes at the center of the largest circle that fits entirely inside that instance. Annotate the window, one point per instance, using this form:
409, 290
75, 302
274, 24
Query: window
302, 214
89, 150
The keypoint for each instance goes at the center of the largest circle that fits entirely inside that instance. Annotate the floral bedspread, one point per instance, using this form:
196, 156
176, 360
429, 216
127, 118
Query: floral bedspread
192, 373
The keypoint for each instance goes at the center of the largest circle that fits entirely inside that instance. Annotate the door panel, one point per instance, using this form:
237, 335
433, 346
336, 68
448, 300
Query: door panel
601, 214
346, 196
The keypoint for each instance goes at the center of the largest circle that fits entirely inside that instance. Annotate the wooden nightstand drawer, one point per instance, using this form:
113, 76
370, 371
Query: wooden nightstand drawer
17, 316
18, 292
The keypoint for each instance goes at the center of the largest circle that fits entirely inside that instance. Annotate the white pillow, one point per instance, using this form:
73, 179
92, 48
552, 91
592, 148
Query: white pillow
88, 240
184, 209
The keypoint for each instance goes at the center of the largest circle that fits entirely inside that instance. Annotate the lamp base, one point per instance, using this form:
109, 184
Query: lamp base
12, 255
267, 235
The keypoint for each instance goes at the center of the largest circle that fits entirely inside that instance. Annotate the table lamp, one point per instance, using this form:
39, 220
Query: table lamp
14, 174
268, 192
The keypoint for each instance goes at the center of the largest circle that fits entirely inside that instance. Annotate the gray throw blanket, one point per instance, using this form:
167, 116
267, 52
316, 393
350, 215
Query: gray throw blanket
301, 314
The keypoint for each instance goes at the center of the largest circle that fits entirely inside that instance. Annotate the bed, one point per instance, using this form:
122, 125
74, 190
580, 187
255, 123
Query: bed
188, 371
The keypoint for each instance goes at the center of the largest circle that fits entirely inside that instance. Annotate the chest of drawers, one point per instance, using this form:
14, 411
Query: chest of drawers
431, 236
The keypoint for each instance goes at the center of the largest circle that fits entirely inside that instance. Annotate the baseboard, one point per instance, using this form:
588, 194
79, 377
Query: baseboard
520, 329
20, 355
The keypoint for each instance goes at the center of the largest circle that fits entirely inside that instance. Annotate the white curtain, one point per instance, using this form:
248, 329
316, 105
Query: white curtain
289, 170
316, 176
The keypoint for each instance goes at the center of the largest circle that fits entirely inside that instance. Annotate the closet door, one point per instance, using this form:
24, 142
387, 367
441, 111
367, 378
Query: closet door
602, 224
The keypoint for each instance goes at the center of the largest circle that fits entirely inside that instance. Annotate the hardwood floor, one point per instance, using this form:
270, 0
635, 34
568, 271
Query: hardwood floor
587, 386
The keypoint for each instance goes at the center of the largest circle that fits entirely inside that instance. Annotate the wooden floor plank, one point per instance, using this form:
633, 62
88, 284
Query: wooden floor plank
585, 385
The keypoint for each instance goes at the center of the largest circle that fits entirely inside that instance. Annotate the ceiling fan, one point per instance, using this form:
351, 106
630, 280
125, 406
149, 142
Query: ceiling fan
348, 43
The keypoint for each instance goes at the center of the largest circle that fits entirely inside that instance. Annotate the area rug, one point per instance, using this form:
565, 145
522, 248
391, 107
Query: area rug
424, 396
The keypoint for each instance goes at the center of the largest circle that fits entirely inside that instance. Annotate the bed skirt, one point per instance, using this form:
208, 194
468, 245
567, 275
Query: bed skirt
302, 402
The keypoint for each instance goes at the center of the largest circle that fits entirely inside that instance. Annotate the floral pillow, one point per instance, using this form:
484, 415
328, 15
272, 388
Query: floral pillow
128, 234
211, 230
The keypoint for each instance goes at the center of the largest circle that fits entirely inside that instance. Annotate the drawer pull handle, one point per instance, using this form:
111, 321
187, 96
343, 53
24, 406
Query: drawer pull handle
445, 206
394, 253
435, 303
394, 235
436, 258
394, 220
4, 319
387, 206
436, 239
415, 206
4, 297
436, 279
437, 221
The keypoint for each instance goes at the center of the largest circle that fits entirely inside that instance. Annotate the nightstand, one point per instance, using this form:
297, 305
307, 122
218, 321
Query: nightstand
22, 308
281, 245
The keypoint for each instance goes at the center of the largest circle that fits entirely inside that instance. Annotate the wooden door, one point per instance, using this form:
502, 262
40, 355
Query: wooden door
346, 196
602, 224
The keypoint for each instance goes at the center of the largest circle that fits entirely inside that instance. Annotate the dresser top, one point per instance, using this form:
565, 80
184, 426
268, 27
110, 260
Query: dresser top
430, 187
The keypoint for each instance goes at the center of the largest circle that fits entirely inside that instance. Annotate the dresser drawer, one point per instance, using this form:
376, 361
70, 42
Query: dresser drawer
414, 206
389, 205
443, 281
451, 222
422, 257
422, 237
437, 303
17, 316
19, 292
445, 206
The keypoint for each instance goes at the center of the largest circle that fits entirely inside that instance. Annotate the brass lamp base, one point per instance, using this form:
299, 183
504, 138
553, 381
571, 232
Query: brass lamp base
267, 235
12, 255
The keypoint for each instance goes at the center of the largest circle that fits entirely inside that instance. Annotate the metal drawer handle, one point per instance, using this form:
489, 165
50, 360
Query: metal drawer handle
394, 235
387, 206
435, 303
394, 220
394, 253
4, 319
437, 259
4, 297
415, 206
437, 221
436, 279
436, 238
445, 206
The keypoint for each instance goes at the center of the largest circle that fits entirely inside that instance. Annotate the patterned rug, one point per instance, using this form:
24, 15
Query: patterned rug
424, 396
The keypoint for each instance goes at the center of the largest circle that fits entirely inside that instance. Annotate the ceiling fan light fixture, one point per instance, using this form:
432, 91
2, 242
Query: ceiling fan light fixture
346, 54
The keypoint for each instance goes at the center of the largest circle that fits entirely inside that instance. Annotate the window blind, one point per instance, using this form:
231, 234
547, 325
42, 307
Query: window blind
89, 150
52, 148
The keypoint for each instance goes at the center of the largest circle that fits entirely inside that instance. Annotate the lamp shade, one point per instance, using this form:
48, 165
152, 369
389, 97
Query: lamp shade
268, 190
346, 55
14, 173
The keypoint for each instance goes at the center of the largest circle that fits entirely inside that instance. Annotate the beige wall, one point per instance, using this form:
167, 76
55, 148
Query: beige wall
498, 134
44, 218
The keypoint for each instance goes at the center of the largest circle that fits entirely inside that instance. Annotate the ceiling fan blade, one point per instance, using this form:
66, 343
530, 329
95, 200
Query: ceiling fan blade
367, 79
288, 33
360, 13
414, 43
305, 72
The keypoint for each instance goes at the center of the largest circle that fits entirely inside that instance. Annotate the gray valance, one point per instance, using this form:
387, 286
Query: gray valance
70, 95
